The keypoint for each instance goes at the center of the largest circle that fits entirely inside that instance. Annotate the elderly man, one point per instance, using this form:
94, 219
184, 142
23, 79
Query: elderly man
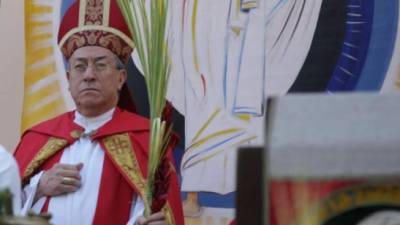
89, 166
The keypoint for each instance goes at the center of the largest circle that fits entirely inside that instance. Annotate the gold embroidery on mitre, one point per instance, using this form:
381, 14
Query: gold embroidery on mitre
117, 32
74, 42
169, 216
120, 148
106, 38
94, 12
52, 146
113, 42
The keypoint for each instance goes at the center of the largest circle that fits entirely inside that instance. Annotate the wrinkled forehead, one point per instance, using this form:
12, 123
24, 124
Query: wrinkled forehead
91, 53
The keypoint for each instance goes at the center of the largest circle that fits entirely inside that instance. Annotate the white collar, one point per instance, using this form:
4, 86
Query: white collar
93, 123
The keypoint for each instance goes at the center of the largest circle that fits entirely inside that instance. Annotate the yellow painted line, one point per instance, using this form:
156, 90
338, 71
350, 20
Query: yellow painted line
41, 9
244, 117
250, 5
232, 147
238, 6
40, 23
205, 125
34, 75
54, 108
212, 136
194, 22
48, 90
33, 56
39, 38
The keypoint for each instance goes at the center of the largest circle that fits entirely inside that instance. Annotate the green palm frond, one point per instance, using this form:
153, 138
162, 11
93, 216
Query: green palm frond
147, 24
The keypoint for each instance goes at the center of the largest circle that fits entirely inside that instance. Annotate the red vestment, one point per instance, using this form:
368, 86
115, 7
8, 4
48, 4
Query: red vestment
125, 140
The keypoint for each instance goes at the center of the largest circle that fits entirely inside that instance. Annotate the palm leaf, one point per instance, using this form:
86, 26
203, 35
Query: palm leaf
148, 28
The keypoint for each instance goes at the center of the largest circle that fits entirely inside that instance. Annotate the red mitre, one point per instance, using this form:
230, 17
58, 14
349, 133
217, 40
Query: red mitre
98, 23
95, 23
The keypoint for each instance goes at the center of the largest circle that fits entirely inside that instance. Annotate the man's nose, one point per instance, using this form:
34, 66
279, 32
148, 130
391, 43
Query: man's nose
89, 74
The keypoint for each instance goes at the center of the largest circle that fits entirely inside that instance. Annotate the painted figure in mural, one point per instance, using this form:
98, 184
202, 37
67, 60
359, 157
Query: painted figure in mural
88, 166
213, 79
228, 63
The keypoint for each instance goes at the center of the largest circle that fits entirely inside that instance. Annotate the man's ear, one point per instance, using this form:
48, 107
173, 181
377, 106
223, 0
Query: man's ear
122, 78
68, 77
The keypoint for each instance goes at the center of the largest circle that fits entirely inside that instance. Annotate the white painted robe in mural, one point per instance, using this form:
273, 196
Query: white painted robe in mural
221, 63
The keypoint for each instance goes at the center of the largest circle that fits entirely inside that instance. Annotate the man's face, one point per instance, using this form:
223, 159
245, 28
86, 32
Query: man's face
94, 80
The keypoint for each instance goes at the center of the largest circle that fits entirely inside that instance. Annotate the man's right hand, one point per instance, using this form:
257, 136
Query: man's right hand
60, 179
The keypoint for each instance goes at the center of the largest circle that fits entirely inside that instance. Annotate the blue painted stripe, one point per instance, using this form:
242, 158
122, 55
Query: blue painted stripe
239, 66
355, 46
209, 199
381, 46
65, 4
226, 47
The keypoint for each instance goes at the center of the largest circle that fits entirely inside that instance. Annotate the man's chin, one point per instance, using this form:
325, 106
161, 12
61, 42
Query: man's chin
91, 101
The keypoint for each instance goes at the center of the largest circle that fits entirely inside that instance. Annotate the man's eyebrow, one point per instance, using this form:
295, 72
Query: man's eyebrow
94, 59
100, 58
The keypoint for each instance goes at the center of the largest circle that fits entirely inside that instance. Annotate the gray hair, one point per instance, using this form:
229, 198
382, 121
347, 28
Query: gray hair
119, 64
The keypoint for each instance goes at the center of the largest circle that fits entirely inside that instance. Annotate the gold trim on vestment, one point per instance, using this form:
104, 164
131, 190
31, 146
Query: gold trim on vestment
52, 146
120, 148
76, 134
